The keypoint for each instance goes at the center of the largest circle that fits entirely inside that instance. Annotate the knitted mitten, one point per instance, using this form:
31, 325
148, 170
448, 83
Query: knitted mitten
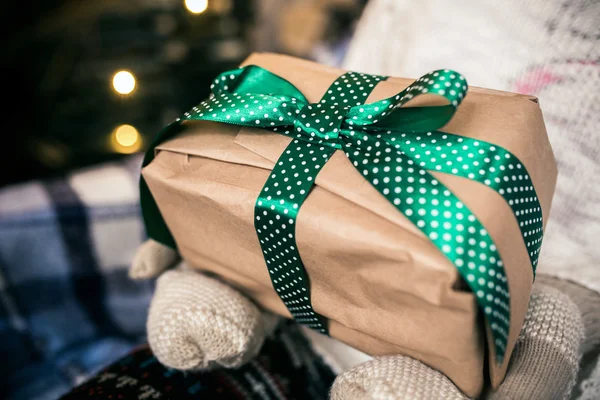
195, 321
544, 364
198, 322
394, 377
545, 361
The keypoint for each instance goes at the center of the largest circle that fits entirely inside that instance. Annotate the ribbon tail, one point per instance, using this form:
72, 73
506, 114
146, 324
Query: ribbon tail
485, 163
444, 219
275, 218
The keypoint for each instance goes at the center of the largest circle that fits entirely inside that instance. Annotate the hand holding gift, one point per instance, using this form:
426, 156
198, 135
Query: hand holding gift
199, 323
402, 241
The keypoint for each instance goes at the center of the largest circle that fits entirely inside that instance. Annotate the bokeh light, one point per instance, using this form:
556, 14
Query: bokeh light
123, 82
196, 6
126, 139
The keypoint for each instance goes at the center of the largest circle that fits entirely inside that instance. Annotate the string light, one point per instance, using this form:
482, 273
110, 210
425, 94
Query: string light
126, 139
196, 6
123, 82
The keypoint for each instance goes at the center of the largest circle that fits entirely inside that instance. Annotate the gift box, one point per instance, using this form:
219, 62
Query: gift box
354, 259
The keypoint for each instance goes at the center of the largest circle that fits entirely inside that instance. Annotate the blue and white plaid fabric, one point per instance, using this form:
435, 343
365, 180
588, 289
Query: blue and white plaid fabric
67, 306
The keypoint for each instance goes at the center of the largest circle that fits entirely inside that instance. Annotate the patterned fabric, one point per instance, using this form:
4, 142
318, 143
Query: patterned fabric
283, 370
67, 306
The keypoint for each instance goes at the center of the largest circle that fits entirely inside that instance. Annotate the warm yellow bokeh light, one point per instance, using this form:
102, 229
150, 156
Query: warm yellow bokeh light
196, 6
123, 82
126, 139
126, 135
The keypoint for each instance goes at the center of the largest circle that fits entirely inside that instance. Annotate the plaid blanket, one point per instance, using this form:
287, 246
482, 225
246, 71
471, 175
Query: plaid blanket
67, 306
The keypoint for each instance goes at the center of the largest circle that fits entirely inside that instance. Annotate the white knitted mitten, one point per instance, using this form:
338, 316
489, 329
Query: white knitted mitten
394, 377
544, 364
545, 361
195, 321
198, 322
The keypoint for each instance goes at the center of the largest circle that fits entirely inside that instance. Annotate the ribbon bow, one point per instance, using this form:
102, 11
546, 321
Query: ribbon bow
393, 147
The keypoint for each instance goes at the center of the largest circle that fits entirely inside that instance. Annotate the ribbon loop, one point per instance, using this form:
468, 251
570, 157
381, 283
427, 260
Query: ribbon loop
390, 113
251, 80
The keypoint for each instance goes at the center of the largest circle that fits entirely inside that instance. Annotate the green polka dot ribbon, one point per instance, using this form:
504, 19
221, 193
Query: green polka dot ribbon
393, 147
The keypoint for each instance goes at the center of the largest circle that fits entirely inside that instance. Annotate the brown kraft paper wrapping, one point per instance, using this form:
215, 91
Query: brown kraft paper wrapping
384, 287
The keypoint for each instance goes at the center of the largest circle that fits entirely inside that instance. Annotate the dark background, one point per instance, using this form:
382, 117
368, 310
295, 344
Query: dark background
59, 56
